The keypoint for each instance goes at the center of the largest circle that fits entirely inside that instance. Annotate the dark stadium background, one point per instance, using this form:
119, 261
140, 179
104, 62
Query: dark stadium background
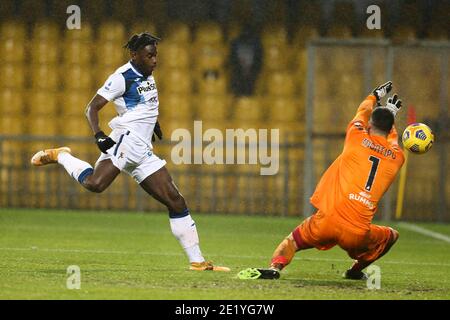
49, 73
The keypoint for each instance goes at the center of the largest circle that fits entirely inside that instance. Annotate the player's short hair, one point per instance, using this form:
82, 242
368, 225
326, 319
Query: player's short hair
382, 119
140, 40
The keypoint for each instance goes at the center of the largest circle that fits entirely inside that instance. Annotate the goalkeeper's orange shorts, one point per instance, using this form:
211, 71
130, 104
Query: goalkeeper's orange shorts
324, 232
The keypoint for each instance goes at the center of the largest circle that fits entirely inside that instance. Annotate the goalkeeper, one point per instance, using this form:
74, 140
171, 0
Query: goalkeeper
348, 193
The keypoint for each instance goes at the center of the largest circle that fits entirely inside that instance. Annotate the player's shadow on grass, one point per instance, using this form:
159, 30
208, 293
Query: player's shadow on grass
341, 284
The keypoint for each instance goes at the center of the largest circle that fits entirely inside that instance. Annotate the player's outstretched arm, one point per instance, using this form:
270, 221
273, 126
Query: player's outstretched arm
365, 108
394, 104
103, 141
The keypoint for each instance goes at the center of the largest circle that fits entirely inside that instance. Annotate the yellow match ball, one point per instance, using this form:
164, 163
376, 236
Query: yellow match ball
418, 138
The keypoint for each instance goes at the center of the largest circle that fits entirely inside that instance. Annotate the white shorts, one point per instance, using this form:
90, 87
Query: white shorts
132, 155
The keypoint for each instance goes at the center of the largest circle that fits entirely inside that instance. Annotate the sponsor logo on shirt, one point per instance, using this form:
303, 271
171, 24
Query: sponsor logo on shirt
361, 198
146, 86
108, 85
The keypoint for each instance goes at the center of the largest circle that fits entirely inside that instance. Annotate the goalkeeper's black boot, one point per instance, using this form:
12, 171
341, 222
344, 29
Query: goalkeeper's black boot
255, 273
354, 275
269, 273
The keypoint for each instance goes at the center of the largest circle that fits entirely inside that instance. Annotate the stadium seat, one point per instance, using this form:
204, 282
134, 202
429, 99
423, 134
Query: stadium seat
210, 57
247, 109
45, 30
111, 31
43, 125
175, 106
321, 102
106, 115
173, 55
12, 125
42, 102
178, 32
116, 54
77, 52
176, 81
209, 33
75, 126
304, 34
212, 107
348, 61
13, 157
277, 58
85, 33
274, 35
44, 51
283, 110
403, 33
143, 26
12, 75
12, 50
300, 65
12, 29
212, 84
74, 102
45, 76
339, 31
12, 101
101, 74
280, 84
77, 77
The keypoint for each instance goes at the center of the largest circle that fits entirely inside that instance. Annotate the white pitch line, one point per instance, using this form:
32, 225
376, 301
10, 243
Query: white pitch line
425, 232
298, 258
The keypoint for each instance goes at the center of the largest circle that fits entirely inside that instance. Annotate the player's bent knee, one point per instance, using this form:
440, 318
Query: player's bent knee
95, 185
395, 235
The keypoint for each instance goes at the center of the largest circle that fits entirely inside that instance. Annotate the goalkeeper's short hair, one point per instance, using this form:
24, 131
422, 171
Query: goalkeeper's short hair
382, 119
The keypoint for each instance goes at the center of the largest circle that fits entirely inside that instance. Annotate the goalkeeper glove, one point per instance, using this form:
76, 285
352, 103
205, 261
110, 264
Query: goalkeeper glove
103, 141
394, 104
380, 91
157, 131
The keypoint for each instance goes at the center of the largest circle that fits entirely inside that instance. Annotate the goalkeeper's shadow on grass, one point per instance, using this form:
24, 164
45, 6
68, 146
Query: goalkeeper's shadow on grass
340, 284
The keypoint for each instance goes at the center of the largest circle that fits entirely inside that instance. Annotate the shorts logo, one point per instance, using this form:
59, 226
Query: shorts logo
121, 155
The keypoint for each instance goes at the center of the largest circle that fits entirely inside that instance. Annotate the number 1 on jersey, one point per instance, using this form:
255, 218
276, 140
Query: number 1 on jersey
373, 171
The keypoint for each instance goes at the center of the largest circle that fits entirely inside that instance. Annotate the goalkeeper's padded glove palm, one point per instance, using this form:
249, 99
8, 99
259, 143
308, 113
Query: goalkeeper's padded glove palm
157, 131
394, 104
380, 91
103, 141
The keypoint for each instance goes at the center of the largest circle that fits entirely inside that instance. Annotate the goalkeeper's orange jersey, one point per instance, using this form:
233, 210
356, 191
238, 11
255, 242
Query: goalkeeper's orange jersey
354, 183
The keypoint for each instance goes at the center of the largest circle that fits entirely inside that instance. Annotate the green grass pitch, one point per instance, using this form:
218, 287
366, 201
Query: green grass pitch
135, 256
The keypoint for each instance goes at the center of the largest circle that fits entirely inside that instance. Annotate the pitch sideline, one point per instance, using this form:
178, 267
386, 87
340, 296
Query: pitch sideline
423, 231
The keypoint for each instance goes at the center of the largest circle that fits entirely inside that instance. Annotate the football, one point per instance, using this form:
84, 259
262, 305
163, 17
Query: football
418, 138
